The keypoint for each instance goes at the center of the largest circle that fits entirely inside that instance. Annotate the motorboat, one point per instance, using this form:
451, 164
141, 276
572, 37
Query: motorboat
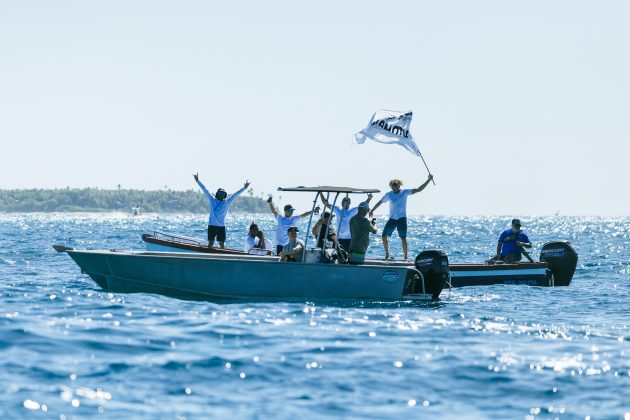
231, 274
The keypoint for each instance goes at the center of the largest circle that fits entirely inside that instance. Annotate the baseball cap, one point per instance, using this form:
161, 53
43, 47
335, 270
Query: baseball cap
288, 207
293, 229
364, 205
516, 222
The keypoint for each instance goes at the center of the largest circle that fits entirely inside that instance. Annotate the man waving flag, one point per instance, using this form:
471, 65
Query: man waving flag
390, 127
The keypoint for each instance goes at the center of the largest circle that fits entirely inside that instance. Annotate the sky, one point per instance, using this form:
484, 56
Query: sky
520, 108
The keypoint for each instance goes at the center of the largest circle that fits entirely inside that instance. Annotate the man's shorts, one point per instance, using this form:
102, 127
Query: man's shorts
356, 258
345, 244
515, 256
396, 224
216, 232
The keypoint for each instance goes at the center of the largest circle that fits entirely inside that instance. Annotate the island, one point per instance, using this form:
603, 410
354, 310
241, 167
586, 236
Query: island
119, 200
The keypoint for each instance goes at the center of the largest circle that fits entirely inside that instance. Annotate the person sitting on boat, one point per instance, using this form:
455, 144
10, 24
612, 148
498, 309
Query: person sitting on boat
219, 206
293, 250
319, 231
343, 215
286, 221
397, 199
511, 243
360, 229
263, 245
252, 237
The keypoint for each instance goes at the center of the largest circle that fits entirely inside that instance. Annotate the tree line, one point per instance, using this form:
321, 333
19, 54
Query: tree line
99, 200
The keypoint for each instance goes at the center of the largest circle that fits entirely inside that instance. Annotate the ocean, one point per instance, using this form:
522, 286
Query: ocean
71, 350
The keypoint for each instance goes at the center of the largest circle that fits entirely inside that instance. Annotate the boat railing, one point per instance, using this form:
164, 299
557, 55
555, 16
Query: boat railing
173, 237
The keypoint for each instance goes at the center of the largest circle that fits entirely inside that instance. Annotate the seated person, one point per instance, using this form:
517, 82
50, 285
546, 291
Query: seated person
511, 243
251, 240
360, 229
263, 246
319, 230
293, 251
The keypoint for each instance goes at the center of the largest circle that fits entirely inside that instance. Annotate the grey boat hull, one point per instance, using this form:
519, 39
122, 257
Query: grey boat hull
249, 277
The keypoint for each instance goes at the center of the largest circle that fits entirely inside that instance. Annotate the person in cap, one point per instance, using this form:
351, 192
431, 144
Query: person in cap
219, 205
323, 229
252, 237
511, 243
293, 250
343, 215
285, 222
397, 199
360, 229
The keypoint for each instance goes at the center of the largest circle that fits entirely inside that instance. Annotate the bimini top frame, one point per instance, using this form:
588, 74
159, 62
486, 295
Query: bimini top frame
328, 190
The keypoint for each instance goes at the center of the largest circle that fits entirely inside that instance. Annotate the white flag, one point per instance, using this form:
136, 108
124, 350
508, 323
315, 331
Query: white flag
389, 127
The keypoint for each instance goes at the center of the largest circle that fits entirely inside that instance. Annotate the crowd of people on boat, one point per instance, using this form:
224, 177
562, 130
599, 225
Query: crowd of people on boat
351, 237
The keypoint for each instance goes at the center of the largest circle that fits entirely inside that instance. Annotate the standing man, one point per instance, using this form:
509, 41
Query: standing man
285, 222
511, 243
343, 214
219, 206
360, 229
397, 199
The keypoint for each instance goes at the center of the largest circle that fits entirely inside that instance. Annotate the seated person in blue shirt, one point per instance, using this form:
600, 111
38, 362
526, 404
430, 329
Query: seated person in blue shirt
511, 243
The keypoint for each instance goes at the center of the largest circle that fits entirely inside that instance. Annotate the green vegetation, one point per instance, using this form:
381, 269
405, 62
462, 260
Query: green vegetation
97, 200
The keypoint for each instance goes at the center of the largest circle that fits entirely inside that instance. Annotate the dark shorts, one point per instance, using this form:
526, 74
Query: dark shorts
345, 244
279, 249
515, 256
216, 232
396, 224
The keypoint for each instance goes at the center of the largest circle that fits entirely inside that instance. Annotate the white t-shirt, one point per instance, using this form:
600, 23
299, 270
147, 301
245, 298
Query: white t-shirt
343, 221
249, 243
397, 203
284, 223
259, 251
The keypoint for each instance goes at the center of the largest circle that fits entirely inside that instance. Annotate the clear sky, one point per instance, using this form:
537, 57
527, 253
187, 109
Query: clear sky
519, 107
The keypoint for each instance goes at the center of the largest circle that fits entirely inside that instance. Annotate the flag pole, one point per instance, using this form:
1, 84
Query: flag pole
425, 165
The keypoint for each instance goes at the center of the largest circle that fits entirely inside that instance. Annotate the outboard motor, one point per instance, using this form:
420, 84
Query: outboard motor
561, 260
433, 264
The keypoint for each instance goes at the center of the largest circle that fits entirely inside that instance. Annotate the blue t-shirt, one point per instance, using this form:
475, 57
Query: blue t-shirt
510, 247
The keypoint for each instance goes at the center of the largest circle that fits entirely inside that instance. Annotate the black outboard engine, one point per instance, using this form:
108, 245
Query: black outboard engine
561, 260
433, 264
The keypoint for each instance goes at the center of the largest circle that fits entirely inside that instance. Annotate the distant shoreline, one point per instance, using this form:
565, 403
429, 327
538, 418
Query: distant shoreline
95, 200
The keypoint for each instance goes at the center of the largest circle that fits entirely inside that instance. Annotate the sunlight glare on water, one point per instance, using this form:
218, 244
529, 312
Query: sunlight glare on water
68, 349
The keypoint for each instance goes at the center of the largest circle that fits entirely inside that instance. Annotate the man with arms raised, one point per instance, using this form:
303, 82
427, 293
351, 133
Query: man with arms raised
360, 229
219, 206
397, 199
343, 214
285, 222
511, 243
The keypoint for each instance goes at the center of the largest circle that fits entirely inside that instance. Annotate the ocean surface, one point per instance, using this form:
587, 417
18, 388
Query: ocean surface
70, 350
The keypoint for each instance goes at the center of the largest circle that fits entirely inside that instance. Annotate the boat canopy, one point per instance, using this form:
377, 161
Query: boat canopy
329, 189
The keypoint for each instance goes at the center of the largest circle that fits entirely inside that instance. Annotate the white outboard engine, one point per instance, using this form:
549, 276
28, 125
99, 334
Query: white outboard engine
433, 264
561, 260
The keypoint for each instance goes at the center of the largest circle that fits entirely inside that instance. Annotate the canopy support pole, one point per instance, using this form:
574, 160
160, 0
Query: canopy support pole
308, 229
329, 222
